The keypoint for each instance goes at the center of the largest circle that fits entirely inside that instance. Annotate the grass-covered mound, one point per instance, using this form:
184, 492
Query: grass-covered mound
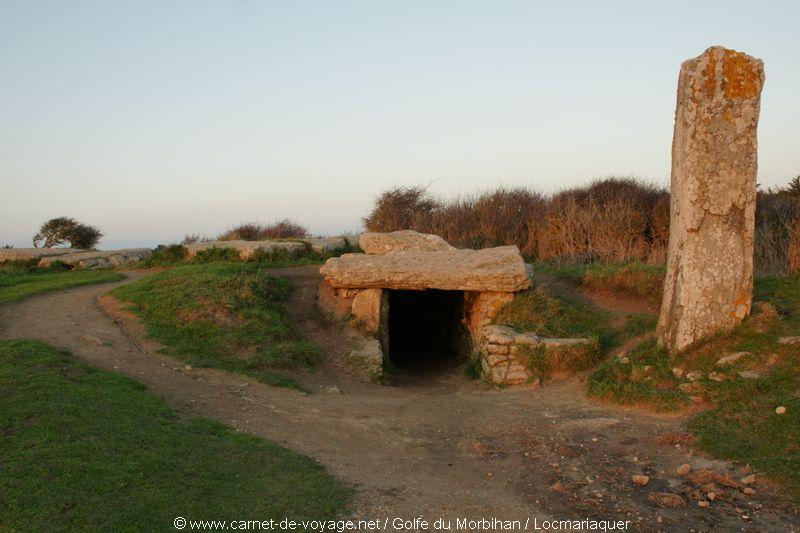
226, 315
85, 449
548, 315
23, 278
633, 278
538, 311
740, 397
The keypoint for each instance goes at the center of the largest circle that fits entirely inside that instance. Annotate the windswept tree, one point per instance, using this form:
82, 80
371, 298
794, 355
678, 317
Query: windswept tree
64, 230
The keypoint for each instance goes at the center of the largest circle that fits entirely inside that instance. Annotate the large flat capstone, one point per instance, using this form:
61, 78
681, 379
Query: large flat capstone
500, 269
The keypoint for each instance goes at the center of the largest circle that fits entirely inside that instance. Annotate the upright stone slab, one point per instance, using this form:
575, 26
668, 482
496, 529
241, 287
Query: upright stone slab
709, 280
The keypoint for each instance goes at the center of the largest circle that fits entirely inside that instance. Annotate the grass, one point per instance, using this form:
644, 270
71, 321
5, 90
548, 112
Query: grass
734, 406
471, 366
19, 279
226, 315
539, 311
87, 450
646, 379
176, 254
638, 279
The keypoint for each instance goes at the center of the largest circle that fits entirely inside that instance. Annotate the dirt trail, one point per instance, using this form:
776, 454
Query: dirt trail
445, 446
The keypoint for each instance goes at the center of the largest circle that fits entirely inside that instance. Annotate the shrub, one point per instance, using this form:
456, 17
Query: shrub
608, 220
62, 230
173, 253
255, 231
194, 238
400, 208
212, 255
612, 219
471, 367
777, 242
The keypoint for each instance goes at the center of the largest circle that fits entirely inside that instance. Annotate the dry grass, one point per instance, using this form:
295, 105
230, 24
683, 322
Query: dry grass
634, 278
777, 240
255, 231
561, 361
609, 220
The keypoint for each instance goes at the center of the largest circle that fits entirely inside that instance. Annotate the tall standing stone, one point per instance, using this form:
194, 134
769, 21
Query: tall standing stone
709, 280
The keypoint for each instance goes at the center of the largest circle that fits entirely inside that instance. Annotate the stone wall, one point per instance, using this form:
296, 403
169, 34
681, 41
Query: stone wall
507, 355
98, 258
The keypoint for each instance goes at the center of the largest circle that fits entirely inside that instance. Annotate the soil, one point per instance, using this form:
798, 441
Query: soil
438, 445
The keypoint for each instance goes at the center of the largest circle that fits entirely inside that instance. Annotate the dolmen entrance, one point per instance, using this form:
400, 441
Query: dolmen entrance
416, 300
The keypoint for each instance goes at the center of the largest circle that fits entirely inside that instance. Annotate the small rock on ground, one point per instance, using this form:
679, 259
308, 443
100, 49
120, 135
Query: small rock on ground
731, 358
666, 499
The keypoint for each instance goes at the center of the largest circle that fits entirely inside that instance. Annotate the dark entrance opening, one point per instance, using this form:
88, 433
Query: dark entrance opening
425, 333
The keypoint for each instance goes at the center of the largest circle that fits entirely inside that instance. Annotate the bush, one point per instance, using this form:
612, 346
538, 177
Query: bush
777, 241
194, 238
213, 255
472, 367
255, 231
400, 208
62, 230
164, 255
609, 220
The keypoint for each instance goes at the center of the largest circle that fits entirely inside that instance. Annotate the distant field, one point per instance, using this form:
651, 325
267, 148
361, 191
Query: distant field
20, 280
86, 449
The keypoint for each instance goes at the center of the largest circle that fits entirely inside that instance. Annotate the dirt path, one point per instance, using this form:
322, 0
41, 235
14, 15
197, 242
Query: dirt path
441, 447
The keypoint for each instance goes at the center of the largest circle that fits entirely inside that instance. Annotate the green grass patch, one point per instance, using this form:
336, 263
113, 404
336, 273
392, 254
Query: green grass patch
176, 254
19, 279
560, 361
740, 405
634, 278
540, 312
735, 405
471, 366
645, 380
87, 450
639, 279
226, 315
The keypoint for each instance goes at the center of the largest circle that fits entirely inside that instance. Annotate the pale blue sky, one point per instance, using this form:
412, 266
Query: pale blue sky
152, 119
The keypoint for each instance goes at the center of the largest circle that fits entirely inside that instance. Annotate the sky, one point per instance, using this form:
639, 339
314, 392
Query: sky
154, 119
